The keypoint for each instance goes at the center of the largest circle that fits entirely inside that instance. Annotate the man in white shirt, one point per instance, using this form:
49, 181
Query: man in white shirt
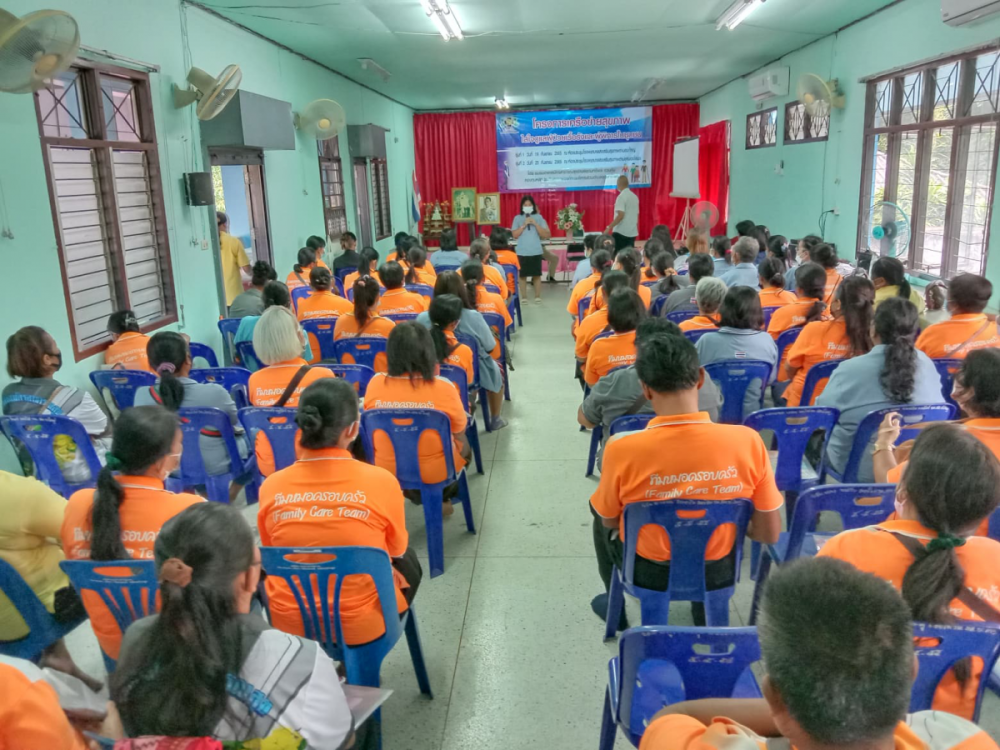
625, 226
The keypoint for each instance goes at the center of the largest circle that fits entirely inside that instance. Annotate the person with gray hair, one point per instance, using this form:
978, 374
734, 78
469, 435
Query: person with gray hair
709, 295
278, 337
448, 255
744, 273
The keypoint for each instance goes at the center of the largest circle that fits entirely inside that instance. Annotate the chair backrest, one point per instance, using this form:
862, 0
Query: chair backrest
651, 283
441, 268
37, 433
211, 422
679, 316
363, 349
858, 505
350, 292
768, 312
510, 270
793, 428
424, 290
122, 385
786, 339
42, 632
236, 380
357, 375
817, 373
400, 317
630, 423
460, 378
299, 293
322, 329
342, 273
656, 306
710, 662
734, 376
278, 424
128, 588
913, 416
496, 323
205, 352
248, 356
404, 428
688, 537
693, 336
582, 306
946, 370
470, 341
938, 647
315, 576
604, 335
228, 328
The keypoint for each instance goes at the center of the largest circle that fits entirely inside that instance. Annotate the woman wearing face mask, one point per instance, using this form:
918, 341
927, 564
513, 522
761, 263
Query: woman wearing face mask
121, 518
529, 229
34, 357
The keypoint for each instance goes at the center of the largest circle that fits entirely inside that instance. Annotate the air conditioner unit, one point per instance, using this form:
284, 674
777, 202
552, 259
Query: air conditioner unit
962, 12
770, 83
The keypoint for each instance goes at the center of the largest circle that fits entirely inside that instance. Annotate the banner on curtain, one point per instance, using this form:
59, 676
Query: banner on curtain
574, 149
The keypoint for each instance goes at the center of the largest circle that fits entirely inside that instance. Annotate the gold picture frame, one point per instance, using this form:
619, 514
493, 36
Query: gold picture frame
463, 205
488, 208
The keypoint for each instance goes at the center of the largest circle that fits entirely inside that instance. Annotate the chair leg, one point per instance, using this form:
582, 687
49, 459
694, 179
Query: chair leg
484, 402
616, 601
517, 306
417, 653
472, 433
595, 443
218, 488
762, 572
465, 497
717, 609
434, 521
608, 726
754, 560
506, 382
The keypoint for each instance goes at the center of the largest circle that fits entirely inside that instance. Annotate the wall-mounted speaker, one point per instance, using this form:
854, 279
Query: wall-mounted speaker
199, 189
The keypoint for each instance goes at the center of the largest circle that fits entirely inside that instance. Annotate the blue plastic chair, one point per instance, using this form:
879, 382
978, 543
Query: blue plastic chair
679, 316
491, 287
228, 328
363, 349
484, 401
625, 423
785, 340
121, 385
401, 317
404, 427
496, 323
236, 380
582, 306
129, 597
205, 352
424, 290
657, 305
688, 540
323, 575
322, 329
194, 422
357, 375
858, 505
768, 312
460, 378
734, 376
658, 666
693, 336
913, 417
946, 370
350, 293
248, 357
514, 301
818, 372
278, 425
951, 643
37, 432
300, 293
43, 628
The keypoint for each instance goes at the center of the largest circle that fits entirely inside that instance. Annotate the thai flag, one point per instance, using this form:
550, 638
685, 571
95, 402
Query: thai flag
415, 208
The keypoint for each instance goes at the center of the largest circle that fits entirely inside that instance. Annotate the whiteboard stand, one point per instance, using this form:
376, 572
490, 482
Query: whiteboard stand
686, 221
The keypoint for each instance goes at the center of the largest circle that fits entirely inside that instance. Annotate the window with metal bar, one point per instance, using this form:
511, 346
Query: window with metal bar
331, 177
380, 191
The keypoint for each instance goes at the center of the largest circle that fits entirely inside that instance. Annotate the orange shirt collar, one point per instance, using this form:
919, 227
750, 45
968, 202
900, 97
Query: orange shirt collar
983, 423
700, 417
319, 454
129, 335
964, 317
141, 481
296, 361
910, 528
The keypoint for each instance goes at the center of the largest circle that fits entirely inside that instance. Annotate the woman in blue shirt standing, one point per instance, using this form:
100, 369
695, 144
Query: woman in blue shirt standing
529, 229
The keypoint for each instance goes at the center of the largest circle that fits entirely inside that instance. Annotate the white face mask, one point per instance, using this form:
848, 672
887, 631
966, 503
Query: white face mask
899, 507
527, 210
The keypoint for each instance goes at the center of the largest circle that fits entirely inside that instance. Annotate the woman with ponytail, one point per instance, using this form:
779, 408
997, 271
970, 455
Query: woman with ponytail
445, 312
299, 277
894, 372
170, 358
928, 550
365, 320
799, 255
119, 520
367, 263
810, 281
629, 261
206, 667
600, 261
889, 277
418, 270
128, 342
772, 284
485, 301
480, 250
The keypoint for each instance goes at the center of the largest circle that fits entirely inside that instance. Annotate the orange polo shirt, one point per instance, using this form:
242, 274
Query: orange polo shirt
509, 258
617, 350
129, 351
772, 296
385, 392
597, 301
490, 302
791, 315
700, 323
494, 276
588, 330
833, 280
146, 507
30, 715
265, 388
426, 275
941, 340
347, 327
292, 280
582, 289
401, 302
353, 276
328, 499
820, 341
679, 457
875, 551
323, 305
461, 356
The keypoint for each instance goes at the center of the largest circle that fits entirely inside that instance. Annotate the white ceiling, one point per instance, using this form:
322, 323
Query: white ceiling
542, 52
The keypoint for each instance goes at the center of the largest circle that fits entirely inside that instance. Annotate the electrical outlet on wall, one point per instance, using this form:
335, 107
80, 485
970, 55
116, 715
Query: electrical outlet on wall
204, 244
779, 168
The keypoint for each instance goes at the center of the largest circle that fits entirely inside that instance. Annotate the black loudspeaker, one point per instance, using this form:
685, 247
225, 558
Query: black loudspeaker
199, 189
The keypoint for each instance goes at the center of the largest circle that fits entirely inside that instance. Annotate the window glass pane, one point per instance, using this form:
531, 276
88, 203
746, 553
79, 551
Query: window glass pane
118, 103
795, 122
912, 92
876, 149
907, 172
935, 199
946, 91
986, 90
138, 230
883, 103
771, 128
753, 130
971, 251
61, 109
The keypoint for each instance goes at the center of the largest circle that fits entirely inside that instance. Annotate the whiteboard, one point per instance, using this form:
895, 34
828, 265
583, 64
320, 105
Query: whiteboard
686, 169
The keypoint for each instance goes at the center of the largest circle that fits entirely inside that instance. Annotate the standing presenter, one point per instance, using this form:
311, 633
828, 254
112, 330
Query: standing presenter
625, 226
529, 229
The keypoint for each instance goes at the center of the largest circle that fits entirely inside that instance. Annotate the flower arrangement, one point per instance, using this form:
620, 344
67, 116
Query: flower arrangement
569, 219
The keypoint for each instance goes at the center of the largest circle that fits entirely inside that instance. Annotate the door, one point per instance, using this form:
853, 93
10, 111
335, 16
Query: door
362, 200
259, 228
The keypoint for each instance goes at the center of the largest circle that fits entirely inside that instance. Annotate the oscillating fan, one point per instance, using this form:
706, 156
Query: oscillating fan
35, 49
889, 230
211, 93
704, 216
321, 119
819, 95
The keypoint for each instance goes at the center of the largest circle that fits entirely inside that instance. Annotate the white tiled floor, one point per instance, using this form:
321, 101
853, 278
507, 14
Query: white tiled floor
515, 655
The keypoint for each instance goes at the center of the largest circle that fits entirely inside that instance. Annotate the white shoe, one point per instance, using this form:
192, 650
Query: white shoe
538, 300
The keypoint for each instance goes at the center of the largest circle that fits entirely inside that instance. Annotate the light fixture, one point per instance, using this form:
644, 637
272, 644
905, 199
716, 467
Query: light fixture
368, 64
737, 13
501, 103
444, 18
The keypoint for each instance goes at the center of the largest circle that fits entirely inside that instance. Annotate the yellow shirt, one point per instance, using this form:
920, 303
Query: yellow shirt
887, 292
234, 257
31, 516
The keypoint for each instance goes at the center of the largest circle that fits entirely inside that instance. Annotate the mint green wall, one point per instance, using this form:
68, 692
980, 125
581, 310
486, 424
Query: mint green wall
162, 32
821, 176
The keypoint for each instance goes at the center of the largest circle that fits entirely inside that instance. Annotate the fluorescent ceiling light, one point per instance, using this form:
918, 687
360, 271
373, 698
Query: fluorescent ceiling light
444, 18
737, 13
452, 22
442, 29
501, 103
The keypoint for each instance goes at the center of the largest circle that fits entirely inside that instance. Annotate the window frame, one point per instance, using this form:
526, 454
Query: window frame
381, 215
764, 114
807, 120
925, 125
89, 74
332, 162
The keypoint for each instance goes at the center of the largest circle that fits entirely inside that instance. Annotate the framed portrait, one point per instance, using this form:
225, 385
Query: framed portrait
488, 208
463, 205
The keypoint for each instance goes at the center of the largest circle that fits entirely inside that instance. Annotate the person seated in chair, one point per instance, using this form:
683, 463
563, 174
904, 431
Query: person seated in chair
397, 299
448, 254
681, 454
709, 293
323, 302
683, 299
625, 312
275, 293
251, 302
969, 327
744, 273
348, 258
128, 342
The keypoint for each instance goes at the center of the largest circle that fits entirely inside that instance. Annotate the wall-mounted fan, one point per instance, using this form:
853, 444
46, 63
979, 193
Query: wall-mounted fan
211, 93
819, 95
321, 119
889, 230
36, 48
704, 216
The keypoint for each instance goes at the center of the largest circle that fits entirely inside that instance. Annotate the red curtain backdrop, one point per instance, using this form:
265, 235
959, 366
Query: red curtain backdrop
459, 150
713, 169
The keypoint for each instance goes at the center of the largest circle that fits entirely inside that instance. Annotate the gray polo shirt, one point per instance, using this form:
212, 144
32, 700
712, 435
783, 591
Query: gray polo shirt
742, 274
740, 343
447, 258
682, 300
250, 302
